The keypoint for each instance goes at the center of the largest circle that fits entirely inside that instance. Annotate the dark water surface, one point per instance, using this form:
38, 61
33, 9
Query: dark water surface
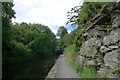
28, 69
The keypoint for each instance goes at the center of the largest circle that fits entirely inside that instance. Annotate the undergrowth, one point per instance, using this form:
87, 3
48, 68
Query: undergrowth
70, 54
84, 71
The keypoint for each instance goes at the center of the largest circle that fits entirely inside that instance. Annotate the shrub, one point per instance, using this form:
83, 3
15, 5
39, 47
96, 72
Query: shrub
70, 54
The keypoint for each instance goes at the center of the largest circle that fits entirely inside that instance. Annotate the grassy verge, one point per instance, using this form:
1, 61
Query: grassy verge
70, 54
84, 71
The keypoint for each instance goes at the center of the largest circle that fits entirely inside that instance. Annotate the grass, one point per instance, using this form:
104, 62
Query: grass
70, 54
84, 71
88, 72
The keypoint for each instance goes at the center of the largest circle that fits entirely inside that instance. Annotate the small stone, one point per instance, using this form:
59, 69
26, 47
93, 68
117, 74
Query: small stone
79, 59
91, 62
86, 34
113, 47
104, 49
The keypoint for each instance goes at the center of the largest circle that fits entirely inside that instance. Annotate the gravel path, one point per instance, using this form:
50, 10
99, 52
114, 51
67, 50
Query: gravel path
62, 69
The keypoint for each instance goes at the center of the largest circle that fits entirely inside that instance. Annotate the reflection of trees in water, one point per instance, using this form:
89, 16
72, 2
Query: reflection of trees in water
30, 69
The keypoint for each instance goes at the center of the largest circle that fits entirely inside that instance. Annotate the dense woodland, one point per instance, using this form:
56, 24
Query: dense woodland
25, 45
32, 46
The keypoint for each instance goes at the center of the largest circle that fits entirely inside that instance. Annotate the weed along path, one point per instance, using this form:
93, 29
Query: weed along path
62, 69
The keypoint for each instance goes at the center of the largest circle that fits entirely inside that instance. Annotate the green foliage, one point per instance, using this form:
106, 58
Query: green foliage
73, 16
78, 68
28, 40
70, 54
69, 38
73, 38
82, 14
90, 9
7, 14
86, 71
7, 11
78, 38
25, 44
34, 42
62, 31
60, 43
82, 17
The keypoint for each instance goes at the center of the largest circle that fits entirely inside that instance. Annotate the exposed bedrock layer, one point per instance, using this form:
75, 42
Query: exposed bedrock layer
102, 46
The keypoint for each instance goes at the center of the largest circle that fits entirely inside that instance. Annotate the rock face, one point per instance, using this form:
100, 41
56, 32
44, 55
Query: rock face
111, 39
104, 49
102, 46
115, 15
79, 59
111, 59
88, 48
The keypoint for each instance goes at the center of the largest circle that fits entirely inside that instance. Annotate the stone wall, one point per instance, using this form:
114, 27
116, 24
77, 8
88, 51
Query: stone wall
102, 45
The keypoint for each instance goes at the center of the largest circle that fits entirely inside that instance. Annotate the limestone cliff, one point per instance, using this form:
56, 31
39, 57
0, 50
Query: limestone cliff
102, 46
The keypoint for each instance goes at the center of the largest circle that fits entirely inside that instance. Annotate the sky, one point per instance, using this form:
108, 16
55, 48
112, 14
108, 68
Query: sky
52, 13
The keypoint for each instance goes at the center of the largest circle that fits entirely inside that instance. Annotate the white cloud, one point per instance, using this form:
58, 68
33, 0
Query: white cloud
52, 13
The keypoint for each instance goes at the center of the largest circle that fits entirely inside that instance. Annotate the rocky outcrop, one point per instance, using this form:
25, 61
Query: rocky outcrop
111, 59
102, 46
111, 39
88, 48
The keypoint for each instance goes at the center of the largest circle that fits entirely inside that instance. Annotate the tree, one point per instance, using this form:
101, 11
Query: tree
7, 11
25, 44
29, 42
80, 15
62, 31
7, 14
69, 38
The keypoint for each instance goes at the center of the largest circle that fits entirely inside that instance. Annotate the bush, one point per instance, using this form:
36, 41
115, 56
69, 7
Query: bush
70, 54
86, 71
